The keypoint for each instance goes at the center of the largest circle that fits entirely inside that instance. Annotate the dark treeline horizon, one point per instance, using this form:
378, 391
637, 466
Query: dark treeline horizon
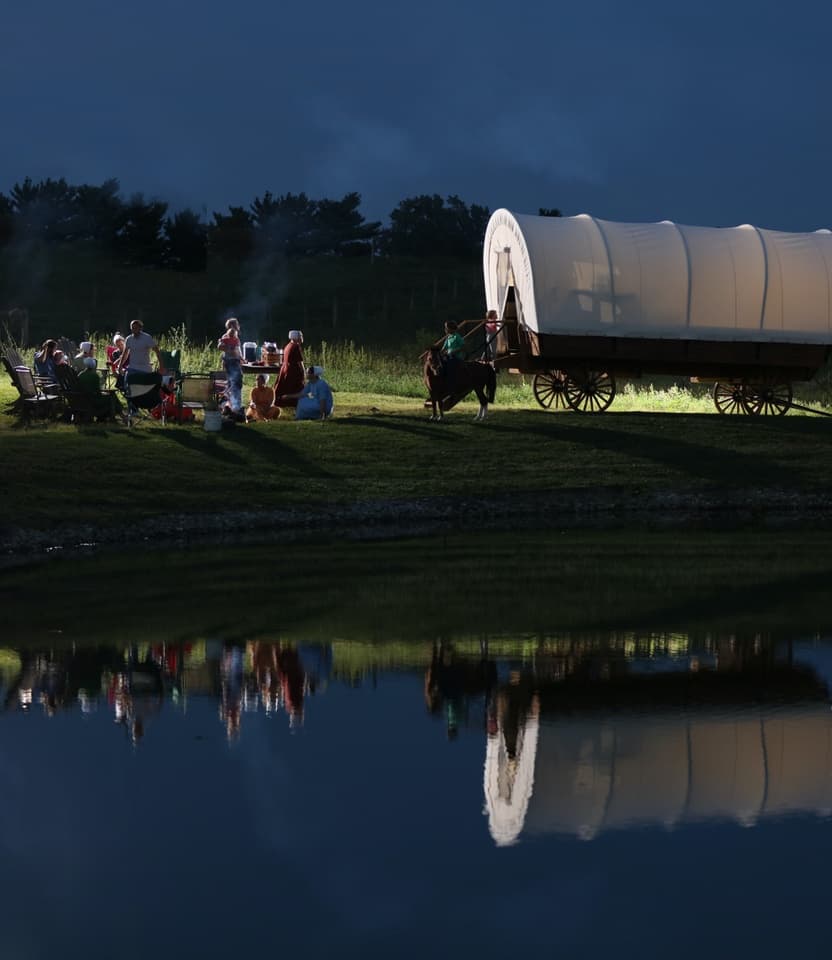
84, 249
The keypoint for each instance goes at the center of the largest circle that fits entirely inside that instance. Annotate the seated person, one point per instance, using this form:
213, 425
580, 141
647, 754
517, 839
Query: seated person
60, 359
86, 351
114, 351
452, 350
261, 401
106, 403
45, 359
315, 400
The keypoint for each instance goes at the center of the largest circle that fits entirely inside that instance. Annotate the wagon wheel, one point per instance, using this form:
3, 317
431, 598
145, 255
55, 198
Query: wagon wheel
768, 399
590, 392
549, 389
731, 398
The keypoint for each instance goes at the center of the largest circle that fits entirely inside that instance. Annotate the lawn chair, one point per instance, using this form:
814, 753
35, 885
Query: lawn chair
142, 391
12, 355
81, 405
195, 391
31, 400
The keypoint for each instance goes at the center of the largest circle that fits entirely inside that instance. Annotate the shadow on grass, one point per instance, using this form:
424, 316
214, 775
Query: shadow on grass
403, 423
208, 447
712, 462
277, 453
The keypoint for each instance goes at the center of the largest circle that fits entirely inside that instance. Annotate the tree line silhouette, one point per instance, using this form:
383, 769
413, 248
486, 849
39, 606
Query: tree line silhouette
71, 249
143, 232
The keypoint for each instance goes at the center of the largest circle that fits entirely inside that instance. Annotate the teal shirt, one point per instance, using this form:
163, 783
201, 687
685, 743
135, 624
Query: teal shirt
453, 344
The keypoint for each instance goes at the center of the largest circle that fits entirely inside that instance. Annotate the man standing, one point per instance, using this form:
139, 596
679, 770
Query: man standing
140, 378
137, 348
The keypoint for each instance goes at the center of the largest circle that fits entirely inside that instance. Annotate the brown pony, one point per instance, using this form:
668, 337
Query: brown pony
477, 376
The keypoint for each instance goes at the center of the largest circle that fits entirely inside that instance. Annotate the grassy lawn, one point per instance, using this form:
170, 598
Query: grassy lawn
381, 446
529, 584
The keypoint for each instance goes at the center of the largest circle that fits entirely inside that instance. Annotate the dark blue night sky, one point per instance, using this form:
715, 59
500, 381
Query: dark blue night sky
714, 113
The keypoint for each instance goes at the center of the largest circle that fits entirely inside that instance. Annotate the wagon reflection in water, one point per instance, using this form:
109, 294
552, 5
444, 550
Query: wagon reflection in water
741, 734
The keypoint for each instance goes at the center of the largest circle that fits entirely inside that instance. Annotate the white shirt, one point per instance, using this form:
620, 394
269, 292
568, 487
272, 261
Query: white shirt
139, 347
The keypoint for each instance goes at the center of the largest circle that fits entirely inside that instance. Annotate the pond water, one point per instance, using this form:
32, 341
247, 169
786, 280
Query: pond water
642, 764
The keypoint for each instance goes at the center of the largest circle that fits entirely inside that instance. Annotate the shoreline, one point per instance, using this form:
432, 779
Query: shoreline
414, 517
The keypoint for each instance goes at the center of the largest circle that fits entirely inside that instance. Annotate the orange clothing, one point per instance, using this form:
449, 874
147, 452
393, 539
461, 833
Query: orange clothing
261, 404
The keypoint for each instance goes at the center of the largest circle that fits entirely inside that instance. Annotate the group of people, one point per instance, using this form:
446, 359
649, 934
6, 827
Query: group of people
453, 345
298, 386
50, 359
130, 360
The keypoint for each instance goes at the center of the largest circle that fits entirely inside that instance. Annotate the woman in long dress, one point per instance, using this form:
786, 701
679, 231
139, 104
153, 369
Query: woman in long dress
289, 381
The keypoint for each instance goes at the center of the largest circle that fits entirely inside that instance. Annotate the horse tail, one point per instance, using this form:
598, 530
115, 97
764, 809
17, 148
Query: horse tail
490, 384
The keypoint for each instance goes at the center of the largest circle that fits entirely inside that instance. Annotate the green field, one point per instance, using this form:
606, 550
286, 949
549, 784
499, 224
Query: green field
529, 585
382, 447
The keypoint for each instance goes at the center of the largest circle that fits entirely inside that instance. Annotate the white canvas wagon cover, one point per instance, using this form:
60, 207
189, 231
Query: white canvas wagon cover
585, 276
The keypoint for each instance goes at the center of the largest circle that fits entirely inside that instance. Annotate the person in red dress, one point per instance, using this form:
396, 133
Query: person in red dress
290, 380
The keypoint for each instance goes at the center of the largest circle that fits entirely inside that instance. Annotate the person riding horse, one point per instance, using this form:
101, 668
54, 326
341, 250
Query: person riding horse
452, 352
479, 377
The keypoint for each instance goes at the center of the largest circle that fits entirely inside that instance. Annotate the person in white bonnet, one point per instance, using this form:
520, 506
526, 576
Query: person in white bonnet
86, 351
315, 400
105, 404
289, 381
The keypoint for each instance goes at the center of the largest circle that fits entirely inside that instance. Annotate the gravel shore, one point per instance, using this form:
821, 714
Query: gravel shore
380, 519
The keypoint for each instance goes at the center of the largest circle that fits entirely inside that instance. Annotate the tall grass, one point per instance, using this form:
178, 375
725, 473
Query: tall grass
351, 368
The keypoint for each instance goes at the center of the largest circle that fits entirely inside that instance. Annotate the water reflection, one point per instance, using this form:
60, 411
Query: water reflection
135, 682
583, 733
736, 730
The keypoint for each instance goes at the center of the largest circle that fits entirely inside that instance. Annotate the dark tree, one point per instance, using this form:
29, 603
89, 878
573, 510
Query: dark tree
231, 235
285, 224
54, 211
186, 242
6, 220
466, 224
139, 240
428, 226
339, 227
98, 213
44, 211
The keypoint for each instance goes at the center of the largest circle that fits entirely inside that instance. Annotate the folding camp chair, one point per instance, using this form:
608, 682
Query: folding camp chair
195, 391
142, 392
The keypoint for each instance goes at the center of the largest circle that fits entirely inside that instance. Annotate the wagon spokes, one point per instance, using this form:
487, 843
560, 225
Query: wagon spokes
591, 391
549, 389
768, 399
730, 398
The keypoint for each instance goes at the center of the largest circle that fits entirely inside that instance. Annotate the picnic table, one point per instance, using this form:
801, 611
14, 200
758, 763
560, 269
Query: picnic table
259, 368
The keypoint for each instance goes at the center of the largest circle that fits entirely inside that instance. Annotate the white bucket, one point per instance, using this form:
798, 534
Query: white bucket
213, 421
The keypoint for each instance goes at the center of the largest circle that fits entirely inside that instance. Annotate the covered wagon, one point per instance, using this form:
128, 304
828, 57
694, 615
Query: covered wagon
582, 301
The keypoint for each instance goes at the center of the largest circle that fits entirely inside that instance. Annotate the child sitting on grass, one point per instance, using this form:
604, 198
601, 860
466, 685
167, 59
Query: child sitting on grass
261, 401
